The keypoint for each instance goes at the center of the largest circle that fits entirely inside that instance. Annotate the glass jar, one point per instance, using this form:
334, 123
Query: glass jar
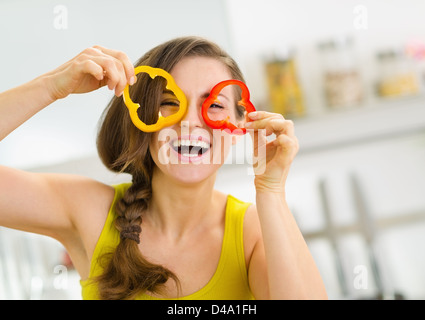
397, 75
342, 83
285, 94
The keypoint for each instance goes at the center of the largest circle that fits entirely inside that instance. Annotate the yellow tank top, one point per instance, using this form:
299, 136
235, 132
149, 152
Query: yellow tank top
230, 280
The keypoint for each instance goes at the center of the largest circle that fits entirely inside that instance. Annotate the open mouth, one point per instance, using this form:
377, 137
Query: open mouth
190, 147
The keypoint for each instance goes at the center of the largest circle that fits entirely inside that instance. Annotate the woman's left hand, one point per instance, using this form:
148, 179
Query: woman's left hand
272, 159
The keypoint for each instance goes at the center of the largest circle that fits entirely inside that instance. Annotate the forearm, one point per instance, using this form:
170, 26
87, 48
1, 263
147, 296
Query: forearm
19, 104
292, 273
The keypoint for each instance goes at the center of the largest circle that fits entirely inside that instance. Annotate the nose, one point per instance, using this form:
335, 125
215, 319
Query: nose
193, 117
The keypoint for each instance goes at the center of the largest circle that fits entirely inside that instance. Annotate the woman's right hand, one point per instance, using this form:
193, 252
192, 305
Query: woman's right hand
92, 69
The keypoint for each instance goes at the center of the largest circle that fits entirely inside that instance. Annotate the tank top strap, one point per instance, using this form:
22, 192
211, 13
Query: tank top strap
233, 240
233, 245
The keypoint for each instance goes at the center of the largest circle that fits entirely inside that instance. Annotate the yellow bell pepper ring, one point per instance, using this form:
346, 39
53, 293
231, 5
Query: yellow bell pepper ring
162, 121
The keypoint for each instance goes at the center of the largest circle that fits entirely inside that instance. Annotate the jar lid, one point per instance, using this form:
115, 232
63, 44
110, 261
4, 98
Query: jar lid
388, 54
335, 43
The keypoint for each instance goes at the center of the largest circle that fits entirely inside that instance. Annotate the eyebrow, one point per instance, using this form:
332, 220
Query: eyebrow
207, 94
224, 96
204, 96
166, 91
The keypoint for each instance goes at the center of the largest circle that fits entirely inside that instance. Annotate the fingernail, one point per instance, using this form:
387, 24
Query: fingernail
132, 80
253, 114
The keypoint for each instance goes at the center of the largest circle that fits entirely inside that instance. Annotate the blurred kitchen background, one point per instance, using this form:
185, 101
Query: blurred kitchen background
350, 74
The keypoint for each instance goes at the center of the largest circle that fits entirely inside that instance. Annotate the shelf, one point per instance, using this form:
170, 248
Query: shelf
381, 120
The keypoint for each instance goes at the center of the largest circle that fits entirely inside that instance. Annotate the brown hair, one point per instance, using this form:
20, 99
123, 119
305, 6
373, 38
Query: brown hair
124, 148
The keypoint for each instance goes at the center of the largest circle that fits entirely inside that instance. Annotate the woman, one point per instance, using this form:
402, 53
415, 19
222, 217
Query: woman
197, 243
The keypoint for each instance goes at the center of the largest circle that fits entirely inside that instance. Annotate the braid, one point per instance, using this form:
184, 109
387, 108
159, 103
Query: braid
130, 208
127, 272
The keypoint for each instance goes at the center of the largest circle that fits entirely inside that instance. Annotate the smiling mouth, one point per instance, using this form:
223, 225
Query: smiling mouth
191, 147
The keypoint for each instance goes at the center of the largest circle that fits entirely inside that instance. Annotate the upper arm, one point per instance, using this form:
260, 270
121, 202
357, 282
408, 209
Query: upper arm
255, 255
48, 204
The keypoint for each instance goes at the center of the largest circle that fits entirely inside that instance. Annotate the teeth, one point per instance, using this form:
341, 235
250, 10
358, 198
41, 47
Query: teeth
190, 155
191, 143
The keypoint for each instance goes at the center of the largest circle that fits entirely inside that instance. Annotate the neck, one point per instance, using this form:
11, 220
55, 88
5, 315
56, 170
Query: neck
177, 208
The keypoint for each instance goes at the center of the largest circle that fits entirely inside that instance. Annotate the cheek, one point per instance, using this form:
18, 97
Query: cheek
158, 144
222, 143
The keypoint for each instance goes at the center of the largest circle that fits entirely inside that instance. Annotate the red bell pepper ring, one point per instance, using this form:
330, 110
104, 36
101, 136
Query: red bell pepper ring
212, 98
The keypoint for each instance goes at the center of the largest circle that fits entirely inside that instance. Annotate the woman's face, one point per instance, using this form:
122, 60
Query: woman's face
190, 151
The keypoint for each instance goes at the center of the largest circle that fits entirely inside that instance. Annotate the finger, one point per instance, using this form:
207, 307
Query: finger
107, 62
259, 139
272, 124
124, 60
118, 79
279, 123
257, 115
289, 128
110, 70
287, 143
92, 68
117, 67
114, 75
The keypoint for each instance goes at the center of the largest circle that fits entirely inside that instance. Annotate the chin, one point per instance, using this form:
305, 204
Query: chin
190, 173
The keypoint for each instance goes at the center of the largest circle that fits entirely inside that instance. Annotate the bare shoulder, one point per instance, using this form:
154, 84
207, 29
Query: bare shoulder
82, 193
48, 203
88, 202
